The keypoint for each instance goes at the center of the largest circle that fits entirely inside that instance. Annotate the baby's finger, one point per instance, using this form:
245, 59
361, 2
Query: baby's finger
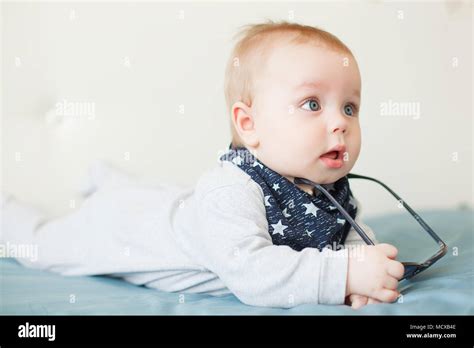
390, 283
357, 297
358, 301
396, 269
386, 295
373, 301
389, 250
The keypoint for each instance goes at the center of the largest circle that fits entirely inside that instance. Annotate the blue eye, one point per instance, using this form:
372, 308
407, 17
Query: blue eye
349, 110
313, 105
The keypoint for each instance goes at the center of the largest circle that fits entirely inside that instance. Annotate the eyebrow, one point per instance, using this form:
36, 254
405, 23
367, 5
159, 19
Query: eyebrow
313, 85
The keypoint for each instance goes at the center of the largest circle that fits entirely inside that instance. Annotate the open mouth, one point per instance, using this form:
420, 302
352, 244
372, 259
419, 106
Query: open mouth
332, 154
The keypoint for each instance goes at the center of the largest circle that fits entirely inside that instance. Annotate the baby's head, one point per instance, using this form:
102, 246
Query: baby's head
293, 92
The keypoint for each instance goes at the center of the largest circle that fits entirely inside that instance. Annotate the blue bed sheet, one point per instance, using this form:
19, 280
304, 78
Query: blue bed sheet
445, 288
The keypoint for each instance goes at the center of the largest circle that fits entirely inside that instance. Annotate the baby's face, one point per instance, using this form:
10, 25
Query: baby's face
306, 102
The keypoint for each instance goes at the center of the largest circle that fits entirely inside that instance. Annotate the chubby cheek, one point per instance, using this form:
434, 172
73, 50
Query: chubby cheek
353, 146
310, 139
281, 146
304, 144
280, 142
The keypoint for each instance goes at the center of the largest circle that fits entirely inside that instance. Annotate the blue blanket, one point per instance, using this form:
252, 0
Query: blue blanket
445, 288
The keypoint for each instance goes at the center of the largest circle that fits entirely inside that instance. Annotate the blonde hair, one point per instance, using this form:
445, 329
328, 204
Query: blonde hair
251, 51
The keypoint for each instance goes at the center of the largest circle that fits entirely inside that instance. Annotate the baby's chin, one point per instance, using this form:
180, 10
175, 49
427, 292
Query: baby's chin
327, 176
319, 173
319, 179
328, 179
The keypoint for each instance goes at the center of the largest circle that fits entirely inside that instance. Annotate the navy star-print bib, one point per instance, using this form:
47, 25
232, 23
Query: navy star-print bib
296, 218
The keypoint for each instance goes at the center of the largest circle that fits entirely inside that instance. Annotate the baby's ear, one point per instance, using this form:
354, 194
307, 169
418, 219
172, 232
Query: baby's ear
243, 122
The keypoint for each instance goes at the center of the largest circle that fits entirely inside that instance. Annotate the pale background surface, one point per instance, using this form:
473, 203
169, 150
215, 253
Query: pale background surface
153, 72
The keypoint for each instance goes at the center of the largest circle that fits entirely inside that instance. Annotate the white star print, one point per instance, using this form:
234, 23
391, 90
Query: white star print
276, 186
341, 221
278, 228
237, 160
267, 203
311, 209
332, 207
285, 213
309, 233
257, 163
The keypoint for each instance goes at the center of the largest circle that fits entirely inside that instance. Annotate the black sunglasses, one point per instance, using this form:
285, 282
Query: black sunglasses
411, 268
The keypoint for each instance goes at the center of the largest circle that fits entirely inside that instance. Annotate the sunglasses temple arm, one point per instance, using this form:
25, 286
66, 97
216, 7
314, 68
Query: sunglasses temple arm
354, 224
405, 205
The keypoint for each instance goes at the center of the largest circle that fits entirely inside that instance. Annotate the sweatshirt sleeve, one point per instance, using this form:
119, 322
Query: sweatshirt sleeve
235, 244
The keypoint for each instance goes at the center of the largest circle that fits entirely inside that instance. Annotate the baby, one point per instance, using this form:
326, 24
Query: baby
246, 228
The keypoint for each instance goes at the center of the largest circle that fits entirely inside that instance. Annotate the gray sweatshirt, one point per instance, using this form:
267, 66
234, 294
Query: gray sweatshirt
210, 239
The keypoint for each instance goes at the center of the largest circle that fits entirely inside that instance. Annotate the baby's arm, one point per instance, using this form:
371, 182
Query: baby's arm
232, 241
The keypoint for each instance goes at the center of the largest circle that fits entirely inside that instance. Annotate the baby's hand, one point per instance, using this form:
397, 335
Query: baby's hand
358, 301
373, 272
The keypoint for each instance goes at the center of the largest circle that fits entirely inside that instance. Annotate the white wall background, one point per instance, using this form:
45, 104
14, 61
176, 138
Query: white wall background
140, 65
